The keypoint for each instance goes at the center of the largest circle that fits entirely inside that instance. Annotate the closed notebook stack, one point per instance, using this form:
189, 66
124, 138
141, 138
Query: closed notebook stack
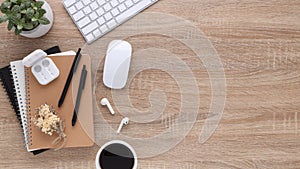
13, 81
80, 135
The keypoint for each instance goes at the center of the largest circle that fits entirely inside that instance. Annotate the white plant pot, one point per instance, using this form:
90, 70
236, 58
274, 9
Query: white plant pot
41, 29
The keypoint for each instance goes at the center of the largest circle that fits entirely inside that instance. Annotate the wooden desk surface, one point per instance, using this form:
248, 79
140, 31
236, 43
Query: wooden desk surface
259, 45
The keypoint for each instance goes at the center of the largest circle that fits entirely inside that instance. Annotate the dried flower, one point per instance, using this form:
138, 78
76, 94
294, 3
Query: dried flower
49, 123
47, 119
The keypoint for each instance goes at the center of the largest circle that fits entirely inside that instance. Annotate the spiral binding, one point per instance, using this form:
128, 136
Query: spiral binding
9, 93
28, 110
7, 82
18, 75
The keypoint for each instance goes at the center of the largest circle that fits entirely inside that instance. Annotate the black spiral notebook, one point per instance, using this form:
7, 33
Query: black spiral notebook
8, 84
10, 88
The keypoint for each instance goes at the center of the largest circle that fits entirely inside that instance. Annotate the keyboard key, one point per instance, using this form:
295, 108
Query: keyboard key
107, 7
83, 22
86, 2
128, 3
103, 28
78, 15
101, 2
89, 37
89, 28
68, 3
72, 10
100, 11
96, 33
115, 12
79, 5
111, 23
107, 16
87, 10
93, 16
122, 7
132, 11
114, 3
94, 5
101, 21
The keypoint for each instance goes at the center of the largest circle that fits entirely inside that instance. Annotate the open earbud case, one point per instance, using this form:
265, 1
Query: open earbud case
42, 67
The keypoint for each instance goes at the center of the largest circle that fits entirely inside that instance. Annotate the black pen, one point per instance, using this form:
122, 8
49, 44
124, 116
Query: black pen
70, 76
79, 93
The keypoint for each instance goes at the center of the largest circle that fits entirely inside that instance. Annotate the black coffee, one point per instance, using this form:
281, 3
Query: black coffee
116, 156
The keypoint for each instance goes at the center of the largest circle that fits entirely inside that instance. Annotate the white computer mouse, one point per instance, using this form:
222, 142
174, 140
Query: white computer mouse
117, 63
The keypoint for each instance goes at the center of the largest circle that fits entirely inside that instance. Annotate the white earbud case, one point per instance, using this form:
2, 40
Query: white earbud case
42, 67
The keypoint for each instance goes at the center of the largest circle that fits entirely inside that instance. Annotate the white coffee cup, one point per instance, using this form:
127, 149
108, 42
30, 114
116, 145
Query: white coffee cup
119, 158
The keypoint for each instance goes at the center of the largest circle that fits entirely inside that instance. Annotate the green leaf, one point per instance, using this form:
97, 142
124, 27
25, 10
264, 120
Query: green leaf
15, 9
23, 11
22, 6
29, 13
44, 21
10, 25
27, 4
34, 19
14, 1
3, 10
14, 19
22, 21
6, 4
41, 12
3, 18
18, 31
19, 16
32, 4
28, 26
35, 23
20, 27
39, 4
37, 15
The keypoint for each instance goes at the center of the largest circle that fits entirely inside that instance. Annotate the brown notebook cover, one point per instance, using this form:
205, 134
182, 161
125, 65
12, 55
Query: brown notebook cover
82, 134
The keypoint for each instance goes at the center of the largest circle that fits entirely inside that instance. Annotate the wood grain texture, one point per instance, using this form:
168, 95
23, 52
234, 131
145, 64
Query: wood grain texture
259, 45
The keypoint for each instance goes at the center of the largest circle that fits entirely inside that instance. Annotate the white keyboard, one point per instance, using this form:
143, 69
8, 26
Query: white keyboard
94, 18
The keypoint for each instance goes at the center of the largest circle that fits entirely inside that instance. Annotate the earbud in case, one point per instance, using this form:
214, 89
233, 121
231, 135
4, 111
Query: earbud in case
42, 67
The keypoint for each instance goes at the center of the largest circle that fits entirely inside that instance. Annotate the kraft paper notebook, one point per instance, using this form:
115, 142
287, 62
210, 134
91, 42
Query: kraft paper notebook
82, 134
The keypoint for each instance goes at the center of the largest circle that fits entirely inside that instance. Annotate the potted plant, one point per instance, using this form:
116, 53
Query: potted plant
29, 18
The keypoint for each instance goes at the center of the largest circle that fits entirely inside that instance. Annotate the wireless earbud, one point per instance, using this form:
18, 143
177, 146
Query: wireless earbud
105, 102
124, 121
